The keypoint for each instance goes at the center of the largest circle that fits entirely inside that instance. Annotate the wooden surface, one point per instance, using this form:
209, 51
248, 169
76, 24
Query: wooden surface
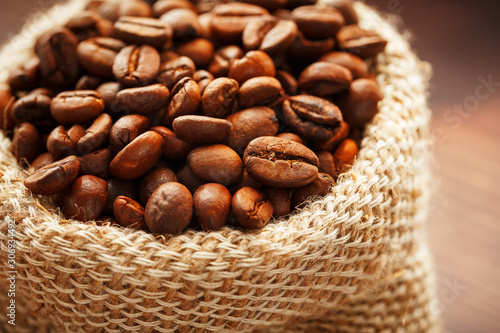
464, 222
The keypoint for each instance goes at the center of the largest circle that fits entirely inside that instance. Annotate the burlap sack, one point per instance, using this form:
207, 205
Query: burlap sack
354, 261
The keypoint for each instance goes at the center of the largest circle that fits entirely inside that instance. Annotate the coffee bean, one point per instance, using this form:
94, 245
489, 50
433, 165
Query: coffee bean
143, 100
201, 129
363, 43
33, 108
360, 103
173, 147
154, 179
253, 64
318, 23
223, 59
109, 10
230, 20
250, 124
251, 209
55, 177
97, 55
212, 206
199, 50
353, 63
288, 82
270, 5
96, 135
96, 163
126, 129
319, 187
108, 93
79, 106
138, 157
25, 143
168, 55
185, 100
345, 154
56, 50
88, 82
205, 21
280, 163
281, 199
345, 7
129, 213
25, 77
136, 66
117, 187
136, 8
246, 181
312, 117
169, 209
269, 34
184, 23
203, 79
42, 160
86, 199
143, 30
8, 121
324, 79
176, 69
187, 178
216, 163
291, 137
262, 90
161, 7
219, 97
326, 163
340, 133
304, 49
87, 25
62, 142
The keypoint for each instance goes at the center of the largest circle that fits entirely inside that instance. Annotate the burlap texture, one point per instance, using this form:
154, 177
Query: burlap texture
354, 261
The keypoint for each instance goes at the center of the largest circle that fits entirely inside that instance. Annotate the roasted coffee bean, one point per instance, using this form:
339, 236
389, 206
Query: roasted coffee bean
319, 187
109, 10
250, 124
201, 129
86, 199
216, 163
173, 147
169, 209
345, 7
212, 206
97, 55
154, 179
129, 213
269, 34
126, 129
88, 82
25, 143
108, 93
55, 177
142, 100
230, 20
143, 30
219, 97
280, 163
160, 7
281, 198
223, 60
33, 108
200, 50
324, 79
168, 55
138, 157
96, 163
136, 66
187, 178
360, 103
363, 43
246, 181
318, 23
6, 103
96, 135
262, 90
62, 142
87, 25
205, 21
340, 133
203, 79
56, 50
253, 64
291, 137
251, 209
176, 69
326, 163
184, 23
117, 187
267, 4
312, 117
345, 154
353, 63
304, 49
288, 82
79, 106
185, 100
42, 160
136, 8
8, 122
25, 77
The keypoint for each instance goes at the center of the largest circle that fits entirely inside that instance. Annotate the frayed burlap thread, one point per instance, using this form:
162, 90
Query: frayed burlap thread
353, 261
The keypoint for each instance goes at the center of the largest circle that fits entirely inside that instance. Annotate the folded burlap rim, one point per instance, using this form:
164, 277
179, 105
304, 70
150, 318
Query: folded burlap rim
86, 277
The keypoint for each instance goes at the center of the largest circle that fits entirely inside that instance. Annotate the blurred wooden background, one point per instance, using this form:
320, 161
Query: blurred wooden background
460, 39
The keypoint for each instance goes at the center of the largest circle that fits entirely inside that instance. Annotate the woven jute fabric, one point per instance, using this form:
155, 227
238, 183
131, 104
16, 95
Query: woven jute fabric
353, 261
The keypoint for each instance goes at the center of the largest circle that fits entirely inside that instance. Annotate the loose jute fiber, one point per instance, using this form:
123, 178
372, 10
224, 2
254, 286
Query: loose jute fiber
354, 261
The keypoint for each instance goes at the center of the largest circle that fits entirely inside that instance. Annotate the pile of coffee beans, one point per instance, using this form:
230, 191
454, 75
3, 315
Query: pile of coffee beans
175, 114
